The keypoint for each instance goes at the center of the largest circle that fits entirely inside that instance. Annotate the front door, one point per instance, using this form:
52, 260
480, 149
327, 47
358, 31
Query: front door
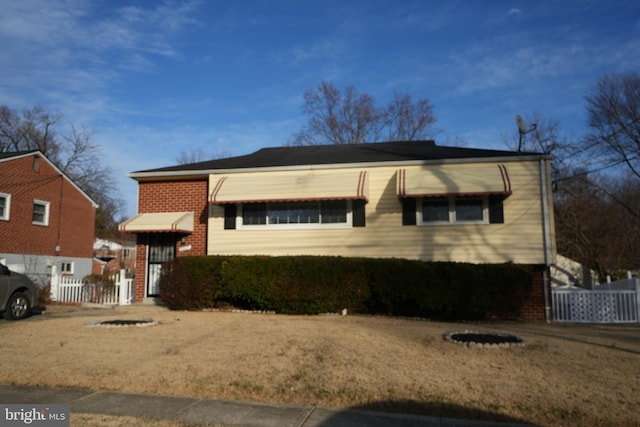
162, 248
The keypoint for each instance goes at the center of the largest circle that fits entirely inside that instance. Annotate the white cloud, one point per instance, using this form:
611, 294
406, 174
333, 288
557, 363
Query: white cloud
72, 49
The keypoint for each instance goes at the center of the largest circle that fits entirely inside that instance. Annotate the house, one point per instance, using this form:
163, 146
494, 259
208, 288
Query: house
113, 255
413, 200
46, 220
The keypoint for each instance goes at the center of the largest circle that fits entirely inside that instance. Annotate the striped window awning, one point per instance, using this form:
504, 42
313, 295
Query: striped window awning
460, 179
168, 222
288, 186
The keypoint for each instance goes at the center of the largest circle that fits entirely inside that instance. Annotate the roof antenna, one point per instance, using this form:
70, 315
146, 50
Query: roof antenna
522, 130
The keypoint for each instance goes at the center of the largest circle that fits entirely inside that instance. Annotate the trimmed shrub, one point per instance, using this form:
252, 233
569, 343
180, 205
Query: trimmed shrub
309, 285
190, 283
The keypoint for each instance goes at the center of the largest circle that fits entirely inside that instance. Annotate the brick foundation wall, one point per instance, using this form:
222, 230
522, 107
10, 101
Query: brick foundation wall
534, 308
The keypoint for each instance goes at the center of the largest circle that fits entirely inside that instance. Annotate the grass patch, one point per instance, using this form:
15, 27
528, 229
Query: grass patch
563, 376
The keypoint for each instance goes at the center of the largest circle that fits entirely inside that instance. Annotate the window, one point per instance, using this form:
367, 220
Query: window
40, 212
325, 213
126, 253
469, 209
453, 209
435, 210
5, 206
66, 267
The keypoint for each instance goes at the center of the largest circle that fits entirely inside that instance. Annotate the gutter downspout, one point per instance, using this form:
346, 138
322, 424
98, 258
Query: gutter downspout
546, 237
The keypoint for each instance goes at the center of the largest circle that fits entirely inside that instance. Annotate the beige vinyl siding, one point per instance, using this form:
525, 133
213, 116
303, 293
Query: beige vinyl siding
520, 239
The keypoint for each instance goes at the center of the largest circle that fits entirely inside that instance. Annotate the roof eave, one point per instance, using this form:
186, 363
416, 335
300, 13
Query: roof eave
199, 174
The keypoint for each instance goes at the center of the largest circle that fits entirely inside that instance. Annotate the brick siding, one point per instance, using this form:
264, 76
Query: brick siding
188, 195
71, 215
534, 308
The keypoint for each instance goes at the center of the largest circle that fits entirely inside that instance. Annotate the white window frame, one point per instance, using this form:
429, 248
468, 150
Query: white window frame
452, 220
7, 208
64, 270
305, 226
46, 204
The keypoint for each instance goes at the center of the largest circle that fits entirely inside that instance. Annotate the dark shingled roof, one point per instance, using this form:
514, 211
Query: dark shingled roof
336, 154
10, 154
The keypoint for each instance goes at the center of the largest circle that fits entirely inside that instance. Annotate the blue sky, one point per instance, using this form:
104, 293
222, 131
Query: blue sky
155, 78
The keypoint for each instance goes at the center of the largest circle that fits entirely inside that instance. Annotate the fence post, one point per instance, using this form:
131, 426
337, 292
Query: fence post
637, 282
54, 282
123, 292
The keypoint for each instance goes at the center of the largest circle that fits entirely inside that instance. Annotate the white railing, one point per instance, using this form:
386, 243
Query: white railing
597, 306
70, 289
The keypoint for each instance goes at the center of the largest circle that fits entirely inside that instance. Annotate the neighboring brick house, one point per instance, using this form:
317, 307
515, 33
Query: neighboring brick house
114, 255
413, 200
45, 218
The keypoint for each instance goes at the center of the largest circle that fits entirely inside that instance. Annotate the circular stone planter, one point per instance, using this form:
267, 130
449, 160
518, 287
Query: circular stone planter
119, 323
473, 339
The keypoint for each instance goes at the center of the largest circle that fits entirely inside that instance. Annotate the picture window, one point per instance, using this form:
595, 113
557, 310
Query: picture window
324, 213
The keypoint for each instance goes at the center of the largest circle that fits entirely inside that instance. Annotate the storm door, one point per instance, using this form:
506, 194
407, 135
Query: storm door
162, 248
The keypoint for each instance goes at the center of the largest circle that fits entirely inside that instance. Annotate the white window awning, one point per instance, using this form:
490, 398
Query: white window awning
168, 222
288, 186
461, 179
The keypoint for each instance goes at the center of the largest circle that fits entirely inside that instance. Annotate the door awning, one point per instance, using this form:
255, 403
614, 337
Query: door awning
461, 179
288, 186
168, 222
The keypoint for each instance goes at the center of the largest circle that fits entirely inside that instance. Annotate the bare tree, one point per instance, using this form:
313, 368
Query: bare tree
547, 138
613, 108
74, 153
595, 213
592, 225
196, 155
193, 155
33, 131
353, 118
409, 121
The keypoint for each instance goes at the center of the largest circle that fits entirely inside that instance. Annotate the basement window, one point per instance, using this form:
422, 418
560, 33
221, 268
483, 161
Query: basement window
66, 267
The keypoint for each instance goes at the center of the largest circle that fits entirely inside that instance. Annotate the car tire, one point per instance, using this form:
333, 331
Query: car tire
18, 307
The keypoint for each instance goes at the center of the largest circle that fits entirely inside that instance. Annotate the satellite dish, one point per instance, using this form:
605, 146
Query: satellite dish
521, 126
522, 130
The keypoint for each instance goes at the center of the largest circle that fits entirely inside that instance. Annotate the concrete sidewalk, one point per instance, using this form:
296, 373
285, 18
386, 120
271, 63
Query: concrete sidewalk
203, 411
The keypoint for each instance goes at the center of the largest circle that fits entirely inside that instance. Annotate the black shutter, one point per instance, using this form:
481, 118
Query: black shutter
359, 219
408, 211
230, 217
496, 210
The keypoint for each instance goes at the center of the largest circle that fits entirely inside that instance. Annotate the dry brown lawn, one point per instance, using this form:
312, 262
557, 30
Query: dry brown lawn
566, 375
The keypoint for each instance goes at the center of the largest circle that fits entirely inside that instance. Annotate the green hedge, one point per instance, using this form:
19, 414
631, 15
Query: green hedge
309, 285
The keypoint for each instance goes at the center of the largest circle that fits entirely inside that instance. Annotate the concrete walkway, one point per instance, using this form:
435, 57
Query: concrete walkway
202, 411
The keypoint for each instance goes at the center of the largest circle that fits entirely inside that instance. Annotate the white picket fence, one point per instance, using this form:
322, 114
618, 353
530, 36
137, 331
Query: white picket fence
617, 302
70, 289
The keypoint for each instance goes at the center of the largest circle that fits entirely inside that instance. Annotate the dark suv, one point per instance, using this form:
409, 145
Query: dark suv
17, 294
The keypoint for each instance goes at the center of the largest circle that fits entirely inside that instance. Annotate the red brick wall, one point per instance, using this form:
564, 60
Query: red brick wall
71, 215
140, 280
534, 308
173, 196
